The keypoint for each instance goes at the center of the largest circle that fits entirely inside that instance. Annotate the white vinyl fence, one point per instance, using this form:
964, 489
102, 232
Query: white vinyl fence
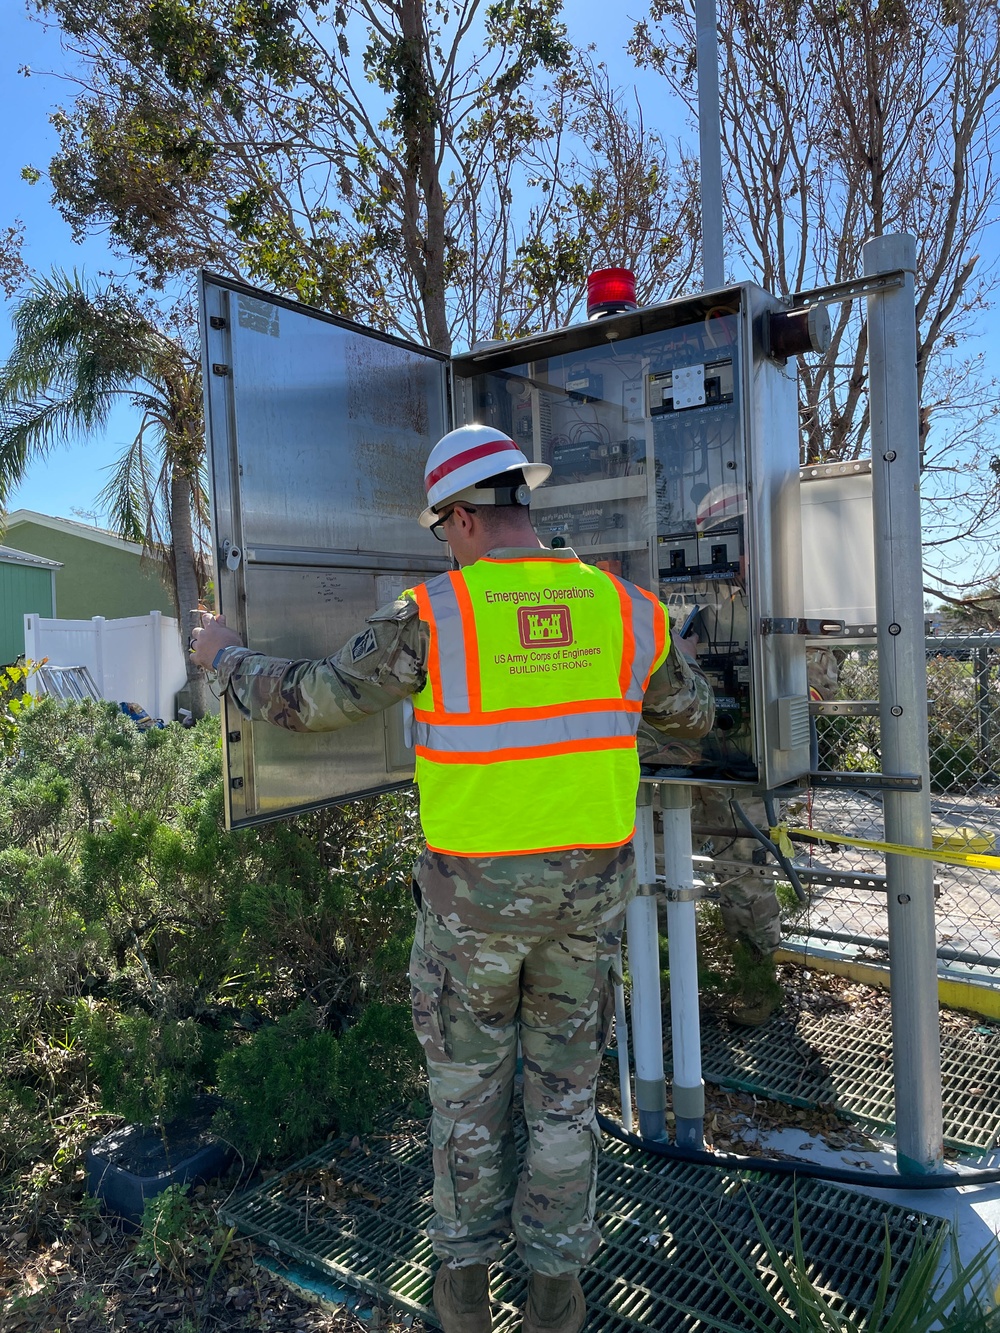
138, 659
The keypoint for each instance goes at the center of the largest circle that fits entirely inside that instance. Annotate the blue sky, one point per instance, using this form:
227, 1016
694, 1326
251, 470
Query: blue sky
69, 478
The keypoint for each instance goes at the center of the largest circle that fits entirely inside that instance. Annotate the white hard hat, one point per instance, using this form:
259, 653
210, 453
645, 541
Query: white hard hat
724, 502
467, 456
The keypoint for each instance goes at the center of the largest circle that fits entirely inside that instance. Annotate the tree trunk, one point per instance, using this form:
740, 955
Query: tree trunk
186, 589
423, 199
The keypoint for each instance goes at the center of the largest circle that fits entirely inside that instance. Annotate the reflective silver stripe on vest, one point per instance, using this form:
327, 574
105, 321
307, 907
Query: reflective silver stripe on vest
450, 644
482, 738
644, 631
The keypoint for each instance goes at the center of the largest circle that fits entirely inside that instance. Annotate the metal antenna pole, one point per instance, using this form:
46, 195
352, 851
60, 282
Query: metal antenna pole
710, 145
902, 693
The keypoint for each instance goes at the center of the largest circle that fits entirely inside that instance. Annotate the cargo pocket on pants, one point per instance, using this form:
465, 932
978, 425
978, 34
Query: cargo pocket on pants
445, 1188
595, 1158
605, 1003
427, 982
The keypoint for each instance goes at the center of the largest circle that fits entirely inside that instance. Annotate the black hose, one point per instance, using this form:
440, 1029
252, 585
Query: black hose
780, 1167
773, 848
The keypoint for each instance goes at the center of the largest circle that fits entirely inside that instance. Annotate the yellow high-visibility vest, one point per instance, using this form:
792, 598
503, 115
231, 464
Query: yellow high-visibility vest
525, 729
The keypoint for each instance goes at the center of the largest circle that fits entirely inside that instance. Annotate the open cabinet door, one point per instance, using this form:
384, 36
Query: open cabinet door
318, 431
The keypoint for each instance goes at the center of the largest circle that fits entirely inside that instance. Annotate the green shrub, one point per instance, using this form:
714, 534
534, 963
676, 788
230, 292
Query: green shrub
139, 940
182, 1236
148, 1069
292, 1082
958, 1299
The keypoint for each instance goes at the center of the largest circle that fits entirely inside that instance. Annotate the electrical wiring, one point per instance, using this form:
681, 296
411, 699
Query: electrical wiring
773, 848
779, 1166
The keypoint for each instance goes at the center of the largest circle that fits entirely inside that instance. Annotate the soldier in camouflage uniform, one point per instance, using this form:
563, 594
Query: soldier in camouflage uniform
751, 915
505, 947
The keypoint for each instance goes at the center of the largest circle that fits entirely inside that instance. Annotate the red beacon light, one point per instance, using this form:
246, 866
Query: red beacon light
610, 291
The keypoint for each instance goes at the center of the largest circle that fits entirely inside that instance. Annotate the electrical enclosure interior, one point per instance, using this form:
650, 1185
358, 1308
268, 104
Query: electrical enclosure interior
673, 443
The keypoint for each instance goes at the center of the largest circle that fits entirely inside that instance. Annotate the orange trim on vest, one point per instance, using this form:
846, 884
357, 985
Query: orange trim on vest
524, 751
537, 714
433, 659
628, 637
535, 851
659, 633
472, 678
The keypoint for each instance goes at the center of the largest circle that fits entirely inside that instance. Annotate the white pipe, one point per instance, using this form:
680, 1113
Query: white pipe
621, 1041
643, 939
682, 932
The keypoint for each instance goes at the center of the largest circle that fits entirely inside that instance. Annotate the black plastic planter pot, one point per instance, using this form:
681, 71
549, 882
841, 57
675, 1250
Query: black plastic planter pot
136, 1163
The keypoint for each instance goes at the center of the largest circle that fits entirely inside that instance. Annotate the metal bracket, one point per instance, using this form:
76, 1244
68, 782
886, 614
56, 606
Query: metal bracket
844, 708
684, 895
855, 467
852, 290
869, 781
748, 868
854, 708
855, 633
813, 629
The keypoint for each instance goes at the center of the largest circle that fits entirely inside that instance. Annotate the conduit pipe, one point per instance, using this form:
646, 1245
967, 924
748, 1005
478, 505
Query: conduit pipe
643, 941
621, 1041
682, 935
782, 1166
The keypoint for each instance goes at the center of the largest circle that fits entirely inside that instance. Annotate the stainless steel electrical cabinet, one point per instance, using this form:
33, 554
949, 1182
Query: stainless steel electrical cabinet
673, 441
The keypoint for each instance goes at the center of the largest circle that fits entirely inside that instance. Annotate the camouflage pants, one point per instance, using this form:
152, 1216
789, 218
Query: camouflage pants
518, 947
750, 910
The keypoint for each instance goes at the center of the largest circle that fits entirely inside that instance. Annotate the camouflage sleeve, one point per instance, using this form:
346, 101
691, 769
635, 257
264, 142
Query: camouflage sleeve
382, 664
679, 700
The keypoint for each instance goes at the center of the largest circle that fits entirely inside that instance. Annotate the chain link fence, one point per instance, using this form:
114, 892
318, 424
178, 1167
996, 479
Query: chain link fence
963, 679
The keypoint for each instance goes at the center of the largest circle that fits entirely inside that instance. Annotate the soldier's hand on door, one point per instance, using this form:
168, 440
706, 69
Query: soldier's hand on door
688, 646
212, 635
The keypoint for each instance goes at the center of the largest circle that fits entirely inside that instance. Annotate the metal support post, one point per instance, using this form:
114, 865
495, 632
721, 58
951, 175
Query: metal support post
710, 145
643, 937
682, 931
902, 670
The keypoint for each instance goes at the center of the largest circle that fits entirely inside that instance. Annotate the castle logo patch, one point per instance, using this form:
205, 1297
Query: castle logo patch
544, 626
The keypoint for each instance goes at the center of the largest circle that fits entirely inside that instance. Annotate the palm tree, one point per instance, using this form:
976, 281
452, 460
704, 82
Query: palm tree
78, 351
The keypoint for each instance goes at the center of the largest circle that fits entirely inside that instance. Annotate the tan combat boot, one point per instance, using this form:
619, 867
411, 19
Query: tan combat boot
462, 1299
555, 1305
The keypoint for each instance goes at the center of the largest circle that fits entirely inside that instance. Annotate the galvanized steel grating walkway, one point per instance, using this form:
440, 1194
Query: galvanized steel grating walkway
837, 1061
359, 1216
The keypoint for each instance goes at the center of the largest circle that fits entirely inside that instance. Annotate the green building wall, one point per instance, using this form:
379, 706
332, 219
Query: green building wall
23, 591
96, 579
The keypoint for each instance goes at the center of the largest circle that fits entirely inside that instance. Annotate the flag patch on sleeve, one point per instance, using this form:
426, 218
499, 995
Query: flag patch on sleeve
363, 645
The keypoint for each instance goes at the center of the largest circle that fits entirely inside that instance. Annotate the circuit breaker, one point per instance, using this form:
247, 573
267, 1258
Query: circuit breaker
673, 441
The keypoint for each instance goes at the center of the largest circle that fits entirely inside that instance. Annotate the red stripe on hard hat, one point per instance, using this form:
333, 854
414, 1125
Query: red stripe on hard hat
468, 456
720, 506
